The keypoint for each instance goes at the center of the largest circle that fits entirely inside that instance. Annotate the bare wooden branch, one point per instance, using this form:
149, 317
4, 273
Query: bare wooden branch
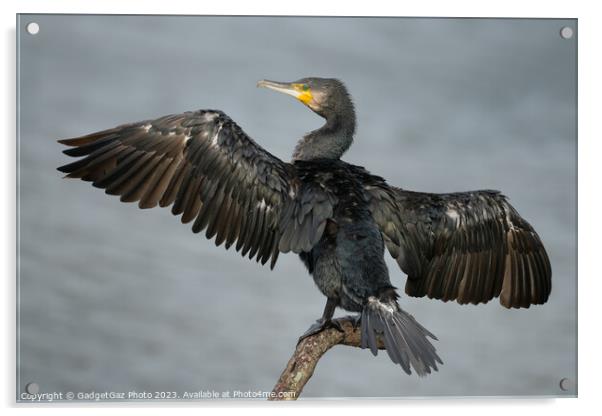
302, 364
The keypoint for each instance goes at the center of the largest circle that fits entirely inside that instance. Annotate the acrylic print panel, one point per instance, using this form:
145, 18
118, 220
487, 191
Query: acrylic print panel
114, 299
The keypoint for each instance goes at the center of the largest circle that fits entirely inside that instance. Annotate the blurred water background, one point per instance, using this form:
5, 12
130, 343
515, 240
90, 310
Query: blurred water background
112, 298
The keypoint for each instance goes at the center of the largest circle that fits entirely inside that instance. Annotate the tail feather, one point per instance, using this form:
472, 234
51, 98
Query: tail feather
405, 340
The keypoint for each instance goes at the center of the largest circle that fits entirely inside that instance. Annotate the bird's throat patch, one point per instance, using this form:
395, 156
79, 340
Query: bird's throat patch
305, 97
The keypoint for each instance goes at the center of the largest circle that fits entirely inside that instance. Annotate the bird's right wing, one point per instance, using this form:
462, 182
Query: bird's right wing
212, 173
468, 246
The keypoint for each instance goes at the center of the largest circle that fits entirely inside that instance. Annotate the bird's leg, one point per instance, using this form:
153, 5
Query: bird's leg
324, 322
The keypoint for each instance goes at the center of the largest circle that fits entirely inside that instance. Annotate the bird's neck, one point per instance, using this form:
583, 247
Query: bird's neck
330, 141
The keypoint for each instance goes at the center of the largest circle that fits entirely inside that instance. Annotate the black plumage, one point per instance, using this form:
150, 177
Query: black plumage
469, 247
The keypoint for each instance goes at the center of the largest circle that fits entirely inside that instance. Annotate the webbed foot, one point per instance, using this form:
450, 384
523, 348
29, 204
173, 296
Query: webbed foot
319, 326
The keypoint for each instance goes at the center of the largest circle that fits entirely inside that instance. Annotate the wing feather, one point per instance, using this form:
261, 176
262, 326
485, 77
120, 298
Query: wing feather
212, 174
469, 247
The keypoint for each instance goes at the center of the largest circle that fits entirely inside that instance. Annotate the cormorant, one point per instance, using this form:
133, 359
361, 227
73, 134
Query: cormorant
469, 247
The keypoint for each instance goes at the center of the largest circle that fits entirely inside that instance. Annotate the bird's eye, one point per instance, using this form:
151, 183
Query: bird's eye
305, 87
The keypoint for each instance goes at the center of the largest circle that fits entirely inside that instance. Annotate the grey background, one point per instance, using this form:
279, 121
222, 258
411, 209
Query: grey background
112, 298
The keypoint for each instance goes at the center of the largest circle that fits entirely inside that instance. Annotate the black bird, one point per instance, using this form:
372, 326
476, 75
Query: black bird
469, 247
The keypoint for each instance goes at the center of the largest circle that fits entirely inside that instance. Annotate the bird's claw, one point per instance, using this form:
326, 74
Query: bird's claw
319, 326
355, 320
336, 325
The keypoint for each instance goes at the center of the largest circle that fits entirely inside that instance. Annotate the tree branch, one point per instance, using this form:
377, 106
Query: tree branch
302, 364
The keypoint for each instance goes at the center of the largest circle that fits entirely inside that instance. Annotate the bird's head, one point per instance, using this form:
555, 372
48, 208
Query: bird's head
325, 96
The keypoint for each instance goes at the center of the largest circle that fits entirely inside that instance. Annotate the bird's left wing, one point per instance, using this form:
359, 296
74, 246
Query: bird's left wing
468, 246
213, 173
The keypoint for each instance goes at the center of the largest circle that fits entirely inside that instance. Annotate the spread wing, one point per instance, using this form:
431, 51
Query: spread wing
211, 173
469, 247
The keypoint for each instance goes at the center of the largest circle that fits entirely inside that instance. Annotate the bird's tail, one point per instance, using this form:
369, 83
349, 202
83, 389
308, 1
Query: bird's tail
404, 339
